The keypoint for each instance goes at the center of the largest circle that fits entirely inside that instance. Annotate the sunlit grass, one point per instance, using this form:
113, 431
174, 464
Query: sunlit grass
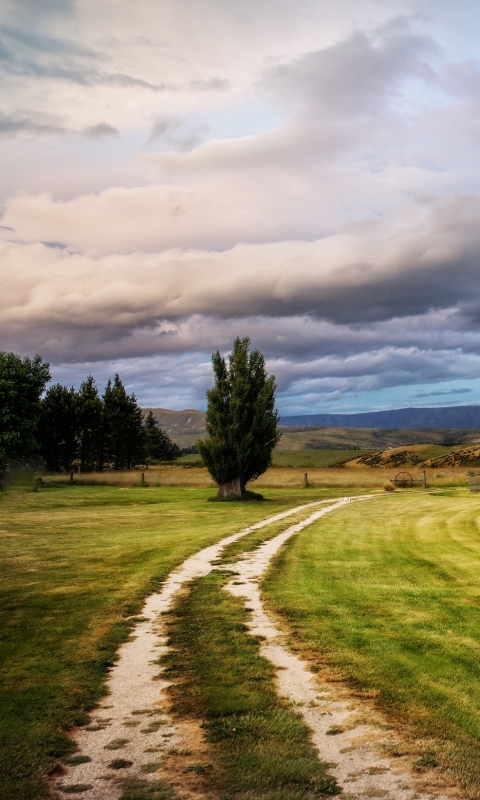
387, 593
75, 563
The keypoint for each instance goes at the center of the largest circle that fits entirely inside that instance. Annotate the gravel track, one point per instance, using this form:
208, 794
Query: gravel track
131, 731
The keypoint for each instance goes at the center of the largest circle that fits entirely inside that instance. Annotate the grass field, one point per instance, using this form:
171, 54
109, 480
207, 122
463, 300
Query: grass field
75, 563
387, 594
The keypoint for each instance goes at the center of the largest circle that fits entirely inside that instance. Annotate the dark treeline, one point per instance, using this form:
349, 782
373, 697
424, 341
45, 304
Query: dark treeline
90, 431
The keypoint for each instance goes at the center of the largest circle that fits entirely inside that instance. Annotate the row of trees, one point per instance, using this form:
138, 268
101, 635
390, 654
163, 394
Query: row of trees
99, 431
68, 427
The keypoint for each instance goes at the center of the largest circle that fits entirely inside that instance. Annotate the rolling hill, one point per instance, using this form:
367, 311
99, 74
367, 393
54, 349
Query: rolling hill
185, 427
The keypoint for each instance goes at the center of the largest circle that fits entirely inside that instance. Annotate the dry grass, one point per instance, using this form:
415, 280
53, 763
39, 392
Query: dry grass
275, 478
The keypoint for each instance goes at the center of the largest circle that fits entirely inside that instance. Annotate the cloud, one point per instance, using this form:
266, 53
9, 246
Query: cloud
100, 131
368, 274
441, 392
43, 8
24, 53
213, 84
14, 124
355, 77
176, 132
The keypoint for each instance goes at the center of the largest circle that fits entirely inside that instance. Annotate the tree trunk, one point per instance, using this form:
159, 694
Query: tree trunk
233, 487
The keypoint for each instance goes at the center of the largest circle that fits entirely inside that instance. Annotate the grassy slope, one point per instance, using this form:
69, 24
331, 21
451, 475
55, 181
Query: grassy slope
314, 458
388, 593
260, 748
75, 562
371, 438
185, 427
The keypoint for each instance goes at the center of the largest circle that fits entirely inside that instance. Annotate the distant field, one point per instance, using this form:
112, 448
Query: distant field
387, 594
406, 456
277, 477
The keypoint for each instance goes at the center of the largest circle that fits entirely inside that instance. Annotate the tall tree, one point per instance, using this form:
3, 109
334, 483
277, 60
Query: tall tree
90, 420
158, 445
58, 427
22, 382
241, 419
123, 429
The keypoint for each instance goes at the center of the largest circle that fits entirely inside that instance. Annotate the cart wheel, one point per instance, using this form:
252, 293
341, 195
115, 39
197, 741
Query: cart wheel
403, 479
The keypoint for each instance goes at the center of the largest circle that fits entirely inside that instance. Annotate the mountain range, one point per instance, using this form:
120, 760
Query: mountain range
401, 419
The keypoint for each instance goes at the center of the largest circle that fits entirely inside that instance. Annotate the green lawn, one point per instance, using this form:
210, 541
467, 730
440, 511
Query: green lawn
75, 562
387, 593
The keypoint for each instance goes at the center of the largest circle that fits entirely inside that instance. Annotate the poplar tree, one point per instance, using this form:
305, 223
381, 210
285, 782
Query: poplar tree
241, 419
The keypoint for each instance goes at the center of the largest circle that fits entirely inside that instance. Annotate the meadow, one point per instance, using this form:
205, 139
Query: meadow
385, 594
76, 562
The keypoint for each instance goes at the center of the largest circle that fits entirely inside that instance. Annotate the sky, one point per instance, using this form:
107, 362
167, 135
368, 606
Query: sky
177, 173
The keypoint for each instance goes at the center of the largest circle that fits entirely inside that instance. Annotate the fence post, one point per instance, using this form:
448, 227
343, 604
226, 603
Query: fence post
424, 479
71, 477
143, 479
305, 480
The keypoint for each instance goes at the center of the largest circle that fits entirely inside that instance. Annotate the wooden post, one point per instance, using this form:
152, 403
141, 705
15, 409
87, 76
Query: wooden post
71, 477
424, 479
305, 480
143, 479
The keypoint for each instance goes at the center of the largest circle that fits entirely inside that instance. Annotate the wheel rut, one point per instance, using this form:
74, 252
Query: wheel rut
131, 732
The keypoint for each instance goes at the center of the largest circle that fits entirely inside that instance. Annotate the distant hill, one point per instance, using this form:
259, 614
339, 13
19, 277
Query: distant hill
185, 427
329, 438
400, 419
